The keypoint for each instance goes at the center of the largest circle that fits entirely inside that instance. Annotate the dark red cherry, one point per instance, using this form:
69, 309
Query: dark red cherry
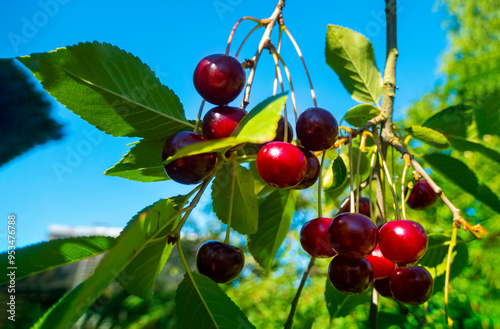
280, 131
353, 235
220, 121
402, 241
190, 169
281, 165
382, 287
422, 196
364, 206
411, 285
219, 78
312, 173
317, 129
350, 276
220, 262
382, 267
314, 238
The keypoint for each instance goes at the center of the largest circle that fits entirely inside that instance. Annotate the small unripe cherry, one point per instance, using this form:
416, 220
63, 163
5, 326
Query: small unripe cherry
411, 285
402, 241
314, 238
353, 235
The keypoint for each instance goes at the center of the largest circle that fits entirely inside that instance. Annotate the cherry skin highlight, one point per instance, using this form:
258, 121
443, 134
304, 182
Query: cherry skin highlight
281, 165
422, 196
364, 206
190, 169
350, 276
411, 285
220, 121
317, 129
382, 267
219, 78
353, 235
220, 262
402, 241
314, 238
312, 172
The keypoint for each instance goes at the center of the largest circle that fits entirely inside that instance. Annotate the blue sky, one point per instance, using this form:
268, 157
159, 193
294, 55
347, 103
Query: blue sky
171, 37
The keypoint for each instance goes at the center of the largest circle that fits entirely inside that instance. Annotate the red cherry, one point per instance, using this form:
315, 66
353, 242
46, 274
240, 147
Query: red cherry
402, 241
280, 131
312, 173
314, 238
219, 78
422, 196
220, 262
350, 276
364, 206
382, 267
382, 287
411, 285
317, 129
353, 235
281, 165
220, 121
190, 169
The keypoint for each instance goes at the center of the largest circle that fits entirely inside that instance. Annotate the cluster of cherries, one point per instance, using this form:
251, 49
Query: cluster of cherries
364, 254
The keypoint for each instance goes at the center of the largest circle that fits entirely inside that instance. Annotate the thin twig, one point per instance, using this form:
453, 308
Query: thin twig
231, 35
198, 117
453, 243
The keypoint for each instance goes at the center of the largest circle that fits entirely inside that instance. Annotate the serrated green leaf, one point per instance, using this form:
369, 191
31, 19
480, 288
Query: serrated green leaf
261, 187
139, 276
335, 176
339, 304
130, 243
142, 163
459, 174
245, 215
436, 257
110, 89
191, 313
429, 136
351, 56
258, 126
359, 115
55, 253
275, 217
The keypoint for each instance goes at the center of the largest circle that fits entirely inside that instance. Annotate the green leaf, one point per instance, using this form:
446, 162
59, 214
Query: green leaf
110, 89
339, 304
131, 242
436, 257
335, 176
275, 217
245, 205
359, 115
351, 56
463, 126
55, 253
459, 174
142, 163
139, 276
429, 136
191, 313
258, 126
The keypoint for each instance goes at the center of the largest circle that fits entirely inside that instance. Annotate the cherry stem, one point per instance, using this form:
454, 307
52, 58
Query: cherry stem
246, 38
275, 53
289, 321
374, 309
370, 178
404, 197
198, 117
278, 70
361, 148
266, 37
453, 243
230, 39
231, 197
351, 167
320, 185
297, 48
188, 272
